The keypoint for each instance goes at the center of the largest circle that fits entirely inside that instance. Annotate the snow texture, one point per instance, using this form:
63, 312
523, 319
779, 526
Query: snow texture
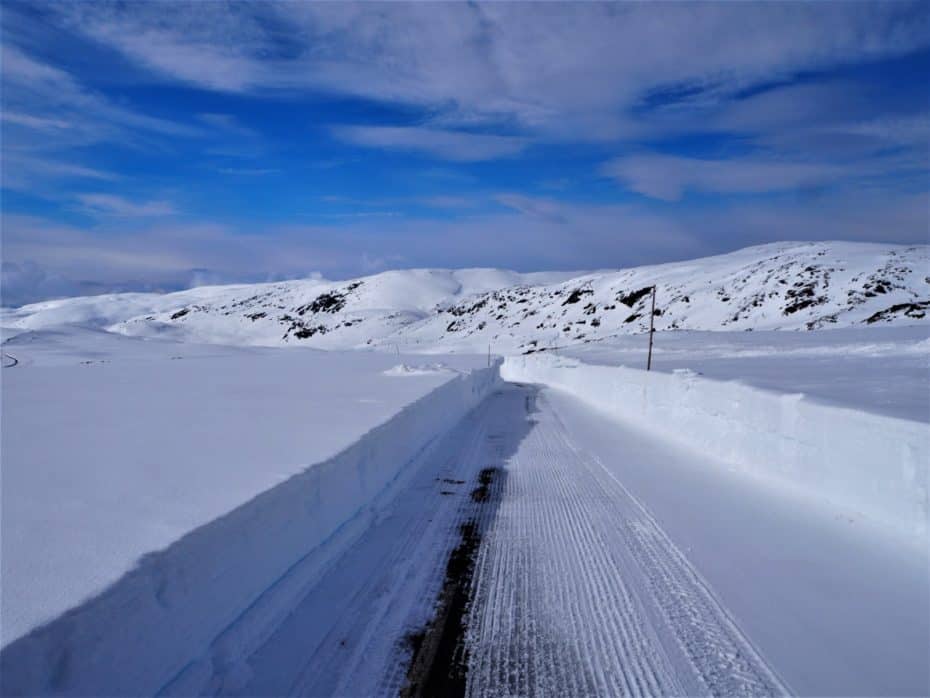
143, 491
417, 369
210, 514
552, 616
885, 370
875, 465
836, 605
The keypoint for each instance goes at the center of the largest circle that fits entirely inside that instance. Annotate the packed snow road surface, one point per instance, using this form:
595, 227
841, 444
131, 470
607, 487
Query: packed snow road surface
580, 592
575, 589
579, 587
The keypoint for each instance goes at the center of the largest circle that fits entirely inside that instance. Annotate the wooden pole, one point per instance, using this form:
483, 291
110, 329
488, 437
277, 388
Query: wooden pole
652, 316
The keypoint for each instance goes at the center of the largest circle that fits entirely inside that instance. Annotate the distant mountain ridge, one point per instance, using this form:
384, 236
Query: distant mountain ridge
783, 286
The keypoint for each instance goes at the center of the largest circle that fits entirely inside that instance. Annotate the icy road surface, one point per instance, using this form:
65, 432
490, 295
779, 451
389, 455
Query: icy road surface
608, 564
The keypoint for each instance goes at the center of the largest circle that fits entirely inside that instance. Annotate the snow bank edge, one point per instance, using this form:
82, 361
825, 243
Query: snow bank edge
162, 620
872, 464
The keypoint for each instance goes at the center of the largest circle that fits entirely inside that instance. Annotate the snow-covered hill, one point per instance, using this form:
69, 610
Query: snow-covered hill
779, 286
312, 312
783, 286
791, 286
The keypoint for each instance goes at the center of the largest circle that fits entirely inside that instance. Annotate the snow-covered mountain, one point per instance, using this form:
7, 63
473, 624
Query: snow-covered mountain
792, 286
782, 286
314, 312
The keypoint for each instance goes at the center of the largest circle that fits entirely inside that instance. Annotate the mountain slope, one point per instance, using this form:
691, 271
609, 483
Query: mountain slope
792, 286
307, 311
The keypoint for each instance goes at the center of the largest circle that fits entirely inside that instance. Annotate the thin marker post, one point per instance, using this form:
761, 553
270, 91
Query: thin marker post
652, 316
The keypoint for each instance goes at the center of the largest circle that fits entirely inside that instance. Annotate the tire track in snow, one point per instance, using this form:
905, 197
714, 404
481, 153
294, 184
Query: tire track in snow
723, 658
551, 614
576, 588
347, 636
578, 591
405, 560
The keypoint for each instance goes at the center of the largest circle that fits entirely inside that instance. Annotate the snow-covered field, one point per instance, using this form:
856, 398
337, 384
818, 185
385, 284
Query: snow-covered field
116, 449
751, 517
885, 370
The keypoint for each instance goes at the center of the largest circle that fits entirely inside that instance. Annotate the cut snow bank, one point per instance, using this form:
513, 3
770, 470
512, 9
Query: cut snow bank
418, 370
872, 464
168, 622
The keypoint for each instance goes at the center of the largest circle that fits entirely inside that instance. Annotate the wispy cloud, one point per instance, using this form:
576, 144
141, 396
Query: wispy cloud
111, 205
448, 145
42, 95
248, 171
228, 123
668, 177
552, 69
535, 207
363, 214
448, 202
567, 236
36, 122
43, 174
50, 116
112, 108
217, 46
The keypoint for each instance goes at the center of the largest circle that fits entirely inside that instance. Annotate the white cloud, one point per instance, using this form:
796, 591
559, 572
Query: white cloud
25, 172
567, 69
28, 281
213, 45
109, 204
535, 207
848, 122
80, 254
228, 123
668, 177
912, 129
561, 72
41, 95
248, 171
49, 116
446, 201
48, 113
450, 145
568, 236
36, 122
43, 175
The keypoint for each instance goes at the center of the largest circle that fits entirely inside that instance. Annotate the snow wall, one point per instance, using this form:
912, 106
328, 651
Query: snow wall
182, 620
874, 465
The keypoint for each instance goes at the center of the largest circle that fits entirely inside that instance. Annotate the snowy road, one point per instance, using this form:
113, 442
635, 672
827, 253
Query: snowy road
576, 588
580, 592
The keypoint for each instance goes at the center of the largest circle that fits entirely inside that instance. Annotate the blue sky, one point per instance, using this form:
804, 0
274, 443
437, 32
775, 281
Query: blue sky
155, 145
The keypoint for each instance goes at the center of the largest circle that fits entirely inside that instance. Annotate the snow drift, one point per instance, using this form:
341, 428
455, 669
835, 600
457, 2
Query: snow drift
872, 464
187, 613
